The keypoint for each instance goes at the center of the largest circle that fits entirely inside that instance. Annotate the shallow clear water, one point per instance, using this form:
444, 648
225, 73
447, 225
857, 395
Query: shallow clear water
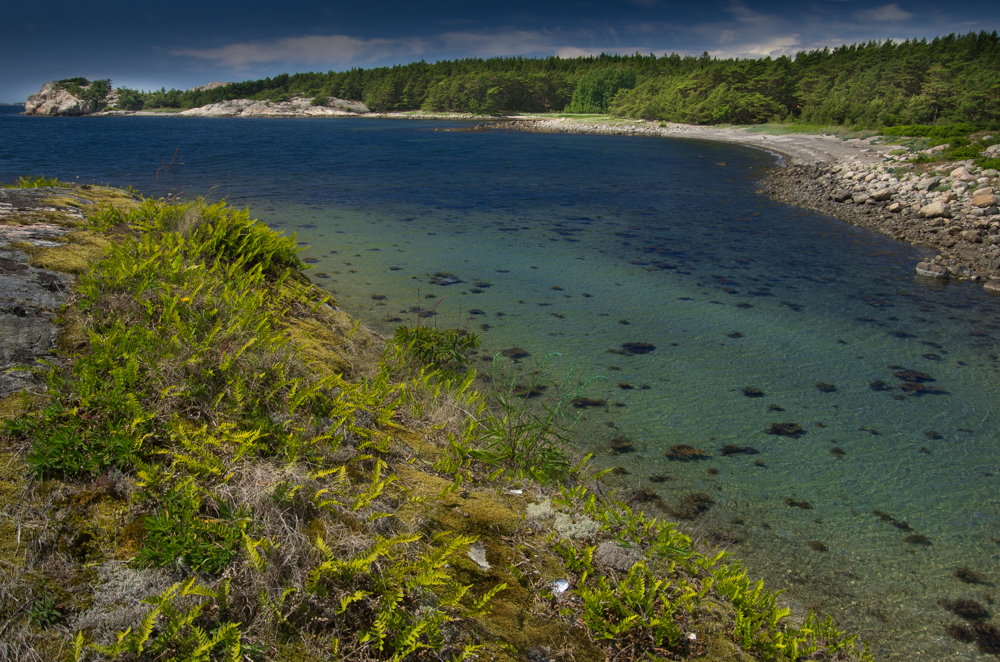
570, 237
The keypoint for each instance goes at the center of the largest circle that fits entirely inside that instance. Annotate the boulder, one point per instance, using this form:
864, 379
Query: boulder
989, 173
54, 99
992, 285
934, 210
869, 177
882, 195
992, 150
984, 201
894, 208
931, 270
840, 196
972, 236
928, 183
981, 224
982, 190
958, 172
860, 198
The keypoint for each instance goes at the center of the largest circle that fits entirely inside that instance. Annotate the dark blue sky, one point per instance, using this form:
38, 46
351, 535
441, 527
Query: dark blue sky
185, 43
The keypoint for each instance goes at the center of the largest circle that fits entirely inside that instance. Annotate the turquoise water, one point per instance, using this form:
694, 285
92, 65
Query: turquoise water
577, 244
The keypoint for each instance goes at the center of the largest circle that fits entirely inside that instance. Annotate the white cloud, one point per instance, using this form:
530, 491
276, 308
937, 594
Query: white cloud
327, 49
884, 13
773, 47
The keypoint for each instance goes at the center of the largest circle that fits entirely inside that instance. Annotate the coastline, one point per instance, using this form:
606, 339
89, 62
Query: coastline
571, 532
856, 180
948, 208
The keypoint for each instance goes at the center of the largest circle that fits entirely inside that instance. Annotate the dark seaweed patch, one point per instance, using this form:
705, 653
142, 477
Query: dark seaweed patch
638, 347
620, 444
692, 505
685, 453
731, 449
793, 430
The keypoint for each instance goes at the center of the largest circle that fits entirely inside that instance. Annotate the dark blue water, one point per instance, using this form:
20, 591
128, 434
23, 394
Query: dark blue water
574, 245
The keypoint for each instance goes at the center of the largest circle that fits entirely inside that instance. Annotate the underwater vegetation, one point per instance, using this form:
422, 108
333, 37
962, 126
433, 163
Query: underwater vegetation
734, 335
516, 353
752, 392
580, 403
899, 524
638, 347
913, 376
879, 385
659, 478
917, 539
970, 610
625, 386
620, 444
798, 503
732, 449
824, 387
528, 390
644, 495
985, 635
775, 408
969, 576
691, 505
712, 471
817, 546
916, 388
839, 452
685, 453
793, 430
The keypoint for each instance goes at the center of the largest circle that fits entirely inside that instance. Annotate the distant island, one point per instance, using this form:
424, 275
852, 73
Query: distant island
946, 80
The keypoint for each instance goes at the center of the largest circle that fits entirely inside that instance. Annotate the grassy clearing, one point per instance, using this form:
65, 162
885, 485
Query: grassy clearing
226, 467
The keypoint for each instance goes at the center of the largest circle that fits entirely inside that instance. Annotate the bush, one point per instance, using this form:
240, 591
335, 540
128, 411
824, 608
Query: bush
35, 182
928, 131
439, 349
320, 100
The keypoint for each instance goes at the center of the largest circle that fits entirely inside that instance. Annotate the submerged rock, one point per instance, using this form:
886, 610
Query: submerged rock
931, 270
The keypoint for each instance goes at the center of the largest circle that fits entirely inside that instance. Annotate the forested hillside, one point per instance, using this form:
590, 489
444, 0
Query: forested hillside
947, 80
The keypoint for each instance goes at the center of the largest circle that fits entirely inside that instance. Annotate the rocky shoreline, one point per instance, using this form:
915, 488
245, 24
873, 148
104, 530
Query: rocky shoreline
948, 207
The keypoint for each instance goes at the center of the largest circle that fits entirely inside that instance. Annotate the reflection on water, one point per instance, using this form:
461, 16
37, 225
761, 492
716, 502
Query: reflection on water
779, 379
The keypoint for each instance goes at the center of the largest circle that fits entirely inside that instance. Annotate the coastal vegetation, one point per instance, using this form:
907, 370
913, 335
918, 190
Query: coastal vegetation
225, 466
946, 80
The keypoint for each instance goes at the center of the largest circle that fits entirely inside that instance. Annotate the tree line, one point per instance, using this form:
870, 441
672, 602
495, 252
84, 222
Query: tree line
947, 80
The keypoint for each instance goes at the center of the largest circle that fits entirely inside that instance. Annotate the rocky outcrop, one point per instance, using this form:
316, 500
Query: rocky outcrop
54, 99
210, 86
948, 207
296, 107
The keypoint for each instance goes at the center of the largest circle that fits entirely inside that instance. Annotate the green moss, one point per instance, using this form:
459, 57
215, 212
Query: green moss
13, 482
14, 405
82, 248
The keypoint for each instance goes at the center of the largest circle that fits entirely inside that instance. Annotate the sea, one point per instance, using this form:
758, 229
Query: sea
779, 378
